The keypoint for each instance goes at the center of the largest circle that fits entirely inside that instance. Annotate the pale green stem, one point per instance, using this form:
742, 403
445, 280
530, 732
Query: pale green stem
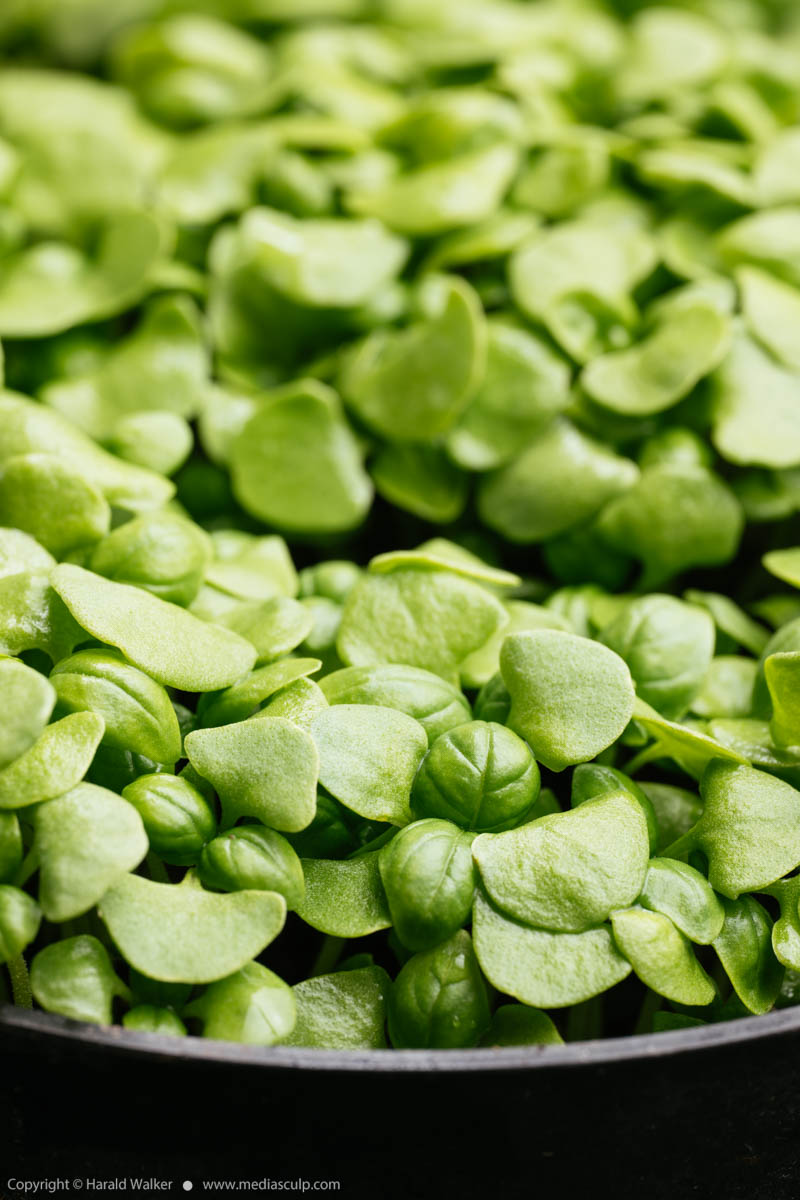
329, 955
20, 982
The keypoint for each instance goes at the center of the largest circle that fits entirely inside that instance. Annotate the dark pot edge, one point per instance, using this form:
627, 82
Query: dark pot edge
60, 1032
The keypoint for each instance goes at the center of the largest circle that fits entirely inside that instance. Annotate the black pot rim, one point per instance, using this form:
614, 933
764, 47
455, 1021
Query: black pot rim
61, 1033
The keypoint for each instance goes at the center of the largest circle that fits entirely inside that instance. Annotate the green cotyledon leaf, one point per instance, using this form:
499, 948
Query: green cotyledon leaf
786, 930
34, 617
569, 871
51, 500
368, 758
419, 617
344, 1011
767, 434
160, 369
75, 978
252, 857
431, 700
297, 464
51, 286
560, 479
344, 899
86, 841
590, 780
521, 1025
303, 259
691, 748
27, 700
266, 769
745, 949
526, 384
56, 762
180, 933
570, 697
242, 699
177, 818
661, 956
668, 647
440, 196
136, 711
253, 1006
149, 1018
749, 828
656, 373
298, 702
411, 385
11, 846
674, 517
685, 896
165, 641
541, 968
20, 917
159, 551
30, 428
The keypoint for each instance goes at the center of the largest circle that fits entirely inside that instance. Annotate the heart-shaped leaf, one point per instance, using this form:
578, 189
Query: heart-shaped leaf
165, 641
368, 757
591, 780
30, 428
692, 749
570, 697
543, 969
147, 1018
682, 894
299, 703
520, 1025
52, 500
668, 646
86, 840
344, 899
661, 956
782, 674
242, 699
275, 627
182, 934
34, 617
297, 464
568, 871
56, 762
786, 930
418, 617
749, 829
75, 978
265, 769
345, 1011
51, 286
162, 552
